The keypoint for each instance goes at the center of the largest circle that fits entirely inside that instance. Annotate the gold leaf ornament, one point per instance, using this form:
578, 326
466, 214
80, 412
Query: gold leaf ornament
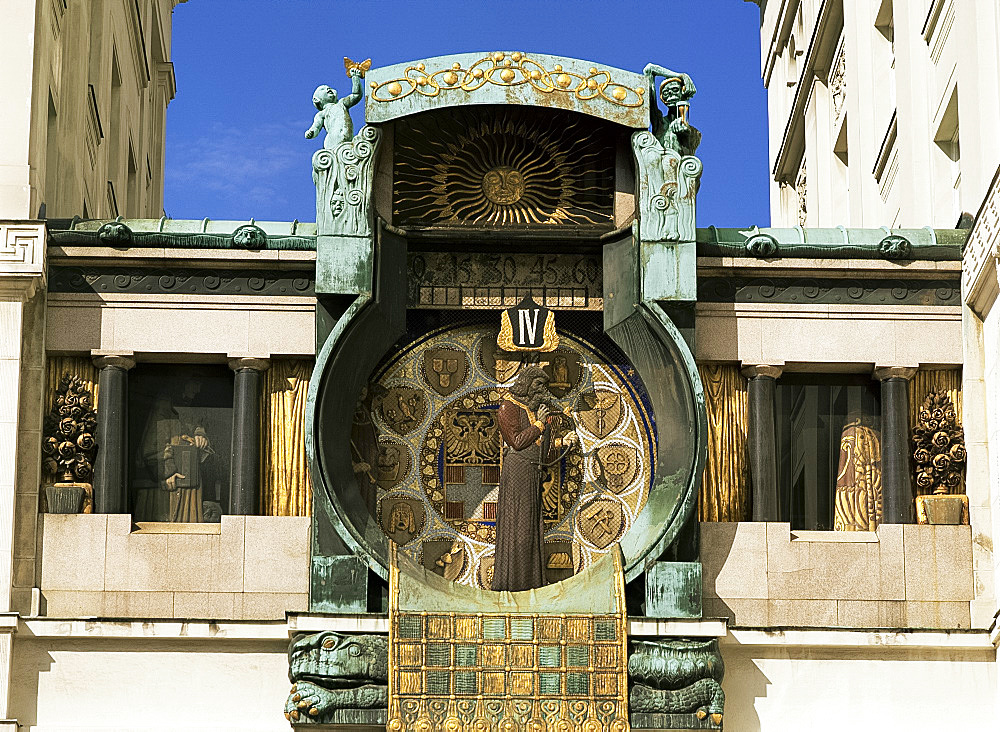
502, 69
361, 66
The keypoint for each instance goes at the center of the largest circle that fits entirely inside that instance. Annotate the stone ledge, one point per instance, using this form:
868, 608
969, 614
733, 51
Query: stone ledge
976, 640
159, 629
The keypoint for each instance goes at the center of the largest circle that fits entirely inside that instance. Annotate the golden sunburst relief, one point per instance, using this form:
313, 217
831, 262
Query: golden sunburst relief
495, 167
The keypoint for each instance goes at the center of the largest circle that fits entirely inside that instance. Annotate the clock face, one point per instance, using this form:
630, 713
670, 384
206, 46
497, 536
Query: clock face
427, 450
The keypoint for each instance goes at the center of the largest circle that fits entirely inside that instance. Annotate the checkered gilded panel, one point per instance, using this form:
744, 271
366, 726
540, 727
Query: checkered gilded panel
507, 671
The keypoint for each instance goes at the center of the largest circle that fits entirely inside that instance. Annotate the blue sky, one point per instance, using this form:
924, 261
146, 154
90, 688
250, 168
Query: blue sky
246, 71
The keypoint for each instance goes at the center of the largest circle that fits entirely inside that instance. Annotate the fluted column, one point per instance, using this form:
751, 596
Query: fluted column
111, 468
897, 490
762, 441
244, 485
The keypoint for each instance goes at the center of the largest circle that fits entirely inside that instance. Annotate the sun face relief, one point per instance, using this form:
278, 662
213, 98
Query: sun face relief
507, 167
503, 185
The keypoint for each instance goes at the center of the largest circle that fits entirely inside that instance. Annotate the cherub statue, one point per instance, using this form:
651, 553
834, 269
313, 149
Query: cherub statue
333, 114
673, 130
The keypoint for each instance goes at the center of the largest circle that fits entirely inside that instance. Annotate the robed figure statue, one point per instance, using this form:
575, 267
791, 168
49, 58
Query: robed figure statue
527, 420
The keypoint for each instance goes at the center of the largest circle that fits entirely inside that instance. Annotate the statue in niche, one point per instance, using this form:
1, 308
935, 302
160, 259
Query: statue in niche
858, 493
673, 130
177, 460
528, 417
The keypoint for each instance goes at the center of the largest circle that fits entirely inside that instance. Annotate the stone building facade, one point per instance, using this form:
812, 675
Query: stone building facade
269, 491
895, 107
85, 94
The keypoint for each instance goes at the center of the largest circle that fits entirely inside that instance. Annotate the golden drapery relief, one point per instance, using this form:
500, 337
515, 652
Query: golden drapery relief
80, 366
726, 483
285, 486
858, 497
924, 382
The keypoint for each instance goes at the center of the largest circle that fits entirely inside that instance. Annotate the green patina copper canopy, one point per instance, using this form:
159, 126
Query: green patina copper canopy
508, 77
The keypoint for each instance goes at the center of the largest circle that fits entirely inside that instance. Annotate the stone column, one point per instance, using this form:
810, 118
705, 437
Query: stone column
244, 485
762, 441
22, 386
111, 468
897, 490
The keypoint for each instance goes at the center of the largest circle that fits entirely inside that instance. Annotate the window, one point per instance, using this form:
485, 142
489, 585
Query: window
180, 449
948, 161
814, 414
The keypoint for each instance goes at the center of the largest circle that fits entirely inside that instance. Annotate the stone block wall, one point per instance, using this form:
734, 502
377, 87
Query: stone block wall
900, 576
245, 568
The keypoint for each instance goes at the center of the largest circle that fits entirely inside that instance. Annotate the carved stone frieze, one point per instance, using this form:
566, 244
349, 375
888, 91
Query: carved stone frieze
173, 281
830, 291
982, 255
837, 82
801, 190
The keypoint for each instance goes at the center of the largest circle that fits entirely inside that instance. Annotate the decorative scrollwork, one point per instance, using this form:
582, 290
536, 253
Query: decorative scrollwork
508, 69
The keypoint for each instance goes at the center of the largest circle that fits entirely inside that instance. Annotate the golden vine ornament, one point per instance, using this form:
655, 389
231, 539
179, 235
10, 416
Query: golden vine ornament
508, 70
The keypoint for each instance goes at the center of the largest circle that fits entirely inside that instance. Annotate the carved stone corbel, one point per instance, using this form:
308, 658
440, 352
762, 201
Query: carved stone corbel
667, 184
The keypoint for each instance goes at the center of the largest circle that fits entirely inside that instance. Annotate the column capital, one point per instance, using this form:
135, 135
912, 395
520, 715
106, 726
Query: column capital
755, 370
256, 364
881, 373
122, 359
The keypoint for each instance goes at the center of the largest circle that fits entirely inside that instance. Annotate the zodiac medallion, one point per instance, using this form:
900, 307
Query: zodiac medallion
445, 369
403, 409
558, 560
472, 437
503, 365
485, 574
617, 464
401, 518
604, 414
563, 370
392, 463
445, 557
601, 521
